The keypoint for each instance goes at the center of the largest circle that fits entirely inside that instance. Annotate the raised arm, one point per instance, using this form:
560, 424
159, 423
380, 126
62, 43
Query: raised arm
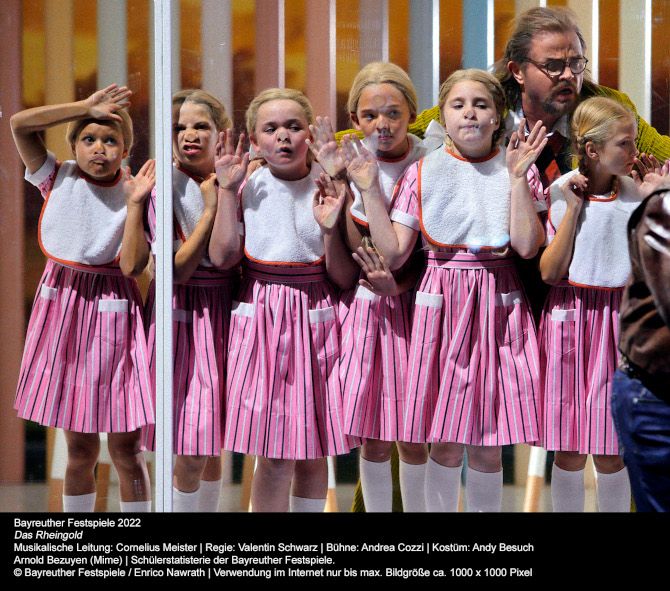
327, 206
555, 260
26, 125
392, 241
134, 253
225, 243
191, 252
526, 232
324, 148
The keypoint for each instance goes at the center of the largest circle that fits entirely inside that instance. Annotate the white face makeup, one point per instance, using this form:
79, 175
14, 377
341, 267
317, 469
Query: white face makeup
382, 114
279, 137
470, 119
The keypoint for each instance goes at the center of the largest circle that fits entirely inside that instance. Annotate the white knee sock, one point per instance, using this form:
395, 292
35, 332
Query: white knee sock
413, 487
79, 503
443, 485
377, 486
567, 490
613, 492
135, 506
184, 502
483, 491
210, 492
305, 505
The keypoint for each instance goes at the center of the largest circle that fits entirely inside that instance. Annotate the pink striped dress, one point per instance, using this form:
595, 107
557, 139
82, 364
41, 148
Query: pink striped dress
579, 328
473, 362
283, 389
375, 335
201, 319
85, 366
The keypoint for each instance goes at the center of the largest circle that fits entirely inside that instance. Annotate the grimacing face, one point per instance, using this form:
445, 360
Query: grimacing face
194, 138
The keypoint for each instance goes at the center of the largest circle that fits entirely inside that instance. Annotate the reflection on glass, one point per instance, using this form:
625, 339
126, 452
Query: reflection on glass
49, 78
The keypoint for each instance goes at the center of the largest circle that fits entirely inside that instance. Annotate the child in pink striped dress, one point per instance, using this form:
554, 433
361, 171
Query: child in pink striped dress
284, 401
473, 370
579, 329
201, 303
85, 366
376, 328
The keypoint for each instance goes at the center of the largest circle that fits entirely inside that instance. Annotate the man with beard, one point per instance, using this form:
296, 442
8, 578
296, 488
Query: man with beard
542, 72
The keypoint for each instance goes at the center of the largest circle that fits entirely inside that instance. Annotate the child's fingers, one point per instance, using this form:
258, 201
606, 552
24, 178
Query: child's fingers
220, 144
538, 149
367, 285
110, 88
361, 263
364, 254
522, 128
240, 146
514, 140
533, 132
229, 149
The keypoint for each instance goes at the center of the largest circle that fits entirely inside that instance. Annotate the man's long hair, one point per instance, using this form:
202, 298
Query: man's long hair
526, 26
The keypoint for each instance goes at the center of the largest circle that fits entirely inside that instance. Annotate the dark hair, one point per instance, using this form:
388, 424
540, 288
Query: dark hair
527, 25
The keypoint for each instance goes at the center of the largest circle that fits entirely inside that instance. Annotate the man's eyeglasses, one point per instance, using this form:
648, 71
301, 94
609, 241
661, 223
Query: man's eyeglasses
556, 67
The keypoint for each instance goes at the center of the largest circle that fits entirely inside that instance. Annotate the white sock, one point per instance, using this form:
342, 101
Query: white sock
184, 502
443, 483
210, 492
135, 506
613, 492
305, 505
79, 503
567, 490
413, 487
483, 491
377, 486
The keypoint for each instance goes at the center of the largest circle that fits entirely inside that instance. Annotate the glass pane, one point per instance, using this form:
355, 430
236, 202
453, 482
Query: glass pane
52, 29
63, 61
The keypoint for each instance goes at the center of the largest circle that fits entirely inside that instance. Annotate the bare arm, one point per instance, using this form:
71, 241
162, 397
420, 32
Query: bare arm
392, 241
327, 206
353, 234
225, 244
134, 253
555, 260
26, 125
526, 232
189, 255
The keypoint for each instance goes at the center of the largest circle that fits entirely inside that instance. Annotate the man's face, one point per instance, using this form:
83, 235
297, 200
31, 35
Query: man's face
549, 97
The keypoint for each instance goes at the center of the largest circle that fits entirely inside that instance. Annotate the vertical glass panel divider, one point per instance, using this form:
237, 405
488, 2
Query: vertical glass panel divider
162, 16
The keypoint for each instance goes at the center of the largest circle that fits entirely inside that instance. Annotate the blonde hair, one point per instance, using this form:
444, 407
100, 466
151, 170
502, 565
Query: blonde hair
383, 73
533, 22
125, 126
493, 87
274, 94
201, 97
594, 121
